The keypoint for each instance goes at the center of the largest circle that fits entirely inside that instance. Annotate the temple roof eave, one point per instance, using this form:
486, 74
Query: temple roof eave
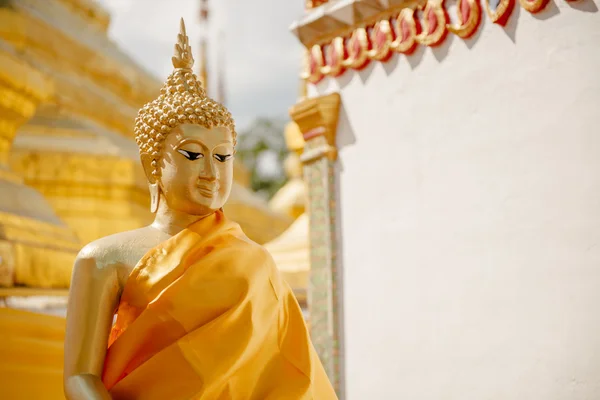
338, 17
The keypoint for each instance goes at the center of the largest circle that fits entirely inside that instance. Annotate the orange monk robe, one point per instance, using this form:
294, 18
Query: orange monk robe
206, 315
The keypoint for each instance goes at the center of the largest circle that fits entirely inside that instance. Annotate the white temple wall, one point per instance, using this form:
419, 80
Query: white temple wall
469, 182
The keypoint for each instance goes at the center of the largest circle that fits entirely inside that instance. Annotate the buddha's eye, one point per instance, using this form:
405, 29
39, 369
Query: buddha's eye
190, 155
222, 157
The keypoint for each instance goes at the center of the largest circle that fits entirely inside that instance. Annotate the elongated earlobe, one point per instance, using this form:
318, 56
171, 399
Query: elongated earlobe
154, 197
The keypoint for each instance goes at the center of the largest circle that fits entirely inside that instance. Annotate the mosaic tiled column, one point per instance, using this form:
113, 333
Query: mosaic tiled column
317, 119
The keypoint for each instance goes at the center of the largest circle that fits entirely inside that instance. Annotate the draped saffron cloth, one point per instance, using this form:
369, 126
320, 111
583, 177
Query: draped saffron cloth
206, 315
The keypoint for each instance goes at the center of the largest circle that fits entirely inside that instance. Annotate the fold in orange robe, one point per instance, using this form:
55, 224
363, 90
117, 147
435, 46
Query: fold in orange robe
206, 315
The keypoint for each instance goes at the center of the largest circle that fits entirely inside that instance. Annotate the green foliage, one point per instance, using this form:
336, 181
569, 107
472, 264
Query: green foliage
261, 141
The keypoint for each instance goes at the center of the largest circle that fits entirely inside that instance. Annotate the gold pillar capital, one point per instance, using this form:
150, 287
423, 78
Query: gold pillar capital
317, 116
294, 140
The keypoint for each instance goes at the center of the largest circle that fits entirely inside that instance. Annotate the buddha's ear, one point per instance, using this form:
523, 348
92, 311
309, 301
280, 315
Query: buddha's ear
147, 166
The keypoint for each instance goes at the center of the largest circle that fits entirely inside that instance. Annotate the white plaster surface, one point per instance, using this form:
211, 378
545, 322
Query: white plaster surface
470, 214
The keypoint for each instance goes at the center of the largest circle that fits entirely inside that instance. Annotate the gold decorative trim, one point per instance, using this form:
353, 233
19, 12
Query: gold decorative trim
334, 65
357, 49
434, 23
352, 45
533, 6
469, 17
397, 31
316, 64
501, 13
381, 38
406, 31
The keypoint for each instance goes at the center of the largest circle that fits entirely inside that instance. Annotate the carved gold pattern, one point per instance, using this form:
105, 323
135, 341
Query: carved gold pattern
382, 39
533, 6
433, 23
406, 31
317, 120
358, 46
315, 65
501, 13
334, 65
469, 17
396, 29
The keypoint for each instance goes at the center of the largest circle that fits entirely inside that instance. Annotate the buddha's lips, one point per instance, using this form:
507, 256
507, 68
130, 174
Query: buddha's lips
207, 190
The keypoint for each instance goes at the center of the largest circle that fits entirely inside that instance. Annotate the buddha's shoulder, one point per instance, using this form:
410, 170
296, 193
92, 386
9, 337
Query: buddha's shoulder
241, 245
255, 261
119, 248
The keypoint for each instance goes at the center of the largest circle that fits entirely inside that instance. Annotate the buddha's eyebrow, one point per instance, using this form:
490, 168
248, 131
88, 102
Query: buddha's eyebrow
191, 141
199, 142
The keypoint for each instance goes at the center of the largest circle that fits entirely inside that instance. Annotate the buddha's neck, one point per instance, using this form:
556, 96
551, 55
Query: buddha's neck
171, 221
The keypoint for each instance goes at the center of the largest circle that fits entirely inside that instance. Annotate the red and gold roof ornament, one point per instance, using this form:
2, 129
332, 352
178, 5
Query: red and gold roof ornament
366, 30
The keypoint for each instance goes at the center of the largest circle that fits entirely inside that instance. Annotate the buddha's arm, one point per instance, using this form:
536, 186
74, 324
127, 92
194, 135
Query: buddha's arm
92, 301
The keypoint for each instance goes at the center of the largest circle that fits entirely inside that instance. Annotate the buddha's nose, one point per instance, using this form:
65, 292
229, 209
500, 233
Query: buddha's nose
209, 172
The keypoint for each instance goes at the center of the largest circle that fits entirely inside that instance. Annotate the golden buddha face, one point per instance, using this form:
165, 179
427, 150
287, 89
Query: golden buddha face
196, 168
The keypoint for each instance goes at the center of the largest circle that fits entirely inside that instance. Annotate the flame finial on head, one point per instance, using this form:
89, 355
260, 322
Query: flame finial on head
182, 100
183, 53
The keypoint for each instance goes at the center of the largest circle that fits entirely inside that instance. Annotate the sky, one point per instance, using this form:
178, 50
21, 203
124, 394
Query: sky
262, 57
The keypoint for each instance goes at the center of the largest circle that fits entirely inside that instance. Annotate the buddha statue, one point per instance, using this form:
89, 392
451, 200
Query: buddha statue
201, 311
